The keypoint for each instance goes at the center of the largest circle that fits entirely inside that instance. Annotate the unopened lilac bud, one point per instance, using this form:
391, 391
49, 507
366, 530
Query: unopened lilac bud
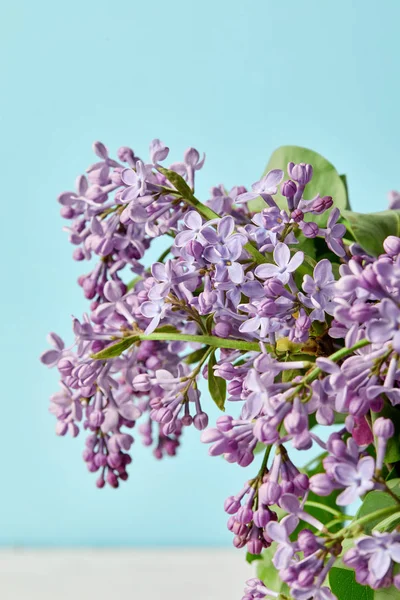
125, 154
194, 248
288, 188
187, 420
112, 479
96, 418
297, 215
254, 546
235, 387
231, 505
226, 371
65, 367
61, 428
67, 212
100, 483
114, 460
391, 245
265, 432
320, 205
287, 486
306, 578
223, 329
302, 173
239, 542
310, 230
100, 460
362, 312
269, 492
141, 383
261, 517
321, 485
200, 421
301, 482
307, 542
224, 423
383, 428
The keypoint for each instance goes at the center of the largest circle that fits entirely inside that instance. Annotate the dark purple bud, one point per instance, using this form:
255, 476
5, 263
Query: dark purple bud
297, 215
307, 542
187, 420
320, 205
194, 248
310, 230
67, 212
239, 542
254, 546
112, 479
391, 245
288, 188
100, 483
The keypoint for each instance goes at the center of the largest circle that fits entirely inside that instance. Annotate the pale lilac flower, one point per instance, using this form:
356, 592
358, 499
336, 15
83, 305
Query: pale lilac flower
356, 479
266, 188
284, 267
334, 233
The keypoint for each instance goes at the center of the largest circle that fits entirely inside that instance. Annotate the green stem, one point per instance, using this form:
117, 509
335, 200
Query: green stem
328, 509
378, 514
209, 340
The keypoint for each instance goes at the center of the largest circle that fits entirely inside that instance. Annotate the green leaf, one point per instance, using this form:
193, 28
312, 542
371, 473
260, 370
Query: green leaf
376, 500
326, 181
370, 230
216, 385
252, 557
393, 447
343, 584
177, 181
195, 356
116, 349
267, 572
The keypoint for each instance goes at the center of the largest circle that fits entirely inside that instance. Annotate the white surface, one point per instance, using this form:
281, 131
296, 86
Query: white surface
168, 574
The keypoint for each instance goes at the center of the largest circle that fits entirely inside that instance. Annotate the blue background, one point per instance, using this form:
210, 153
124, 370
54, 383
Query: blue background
231, 78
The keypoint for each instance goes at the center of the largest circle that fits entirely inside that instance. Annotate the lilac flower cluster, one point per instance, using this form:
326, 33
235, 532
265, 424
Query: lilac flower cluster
285, 340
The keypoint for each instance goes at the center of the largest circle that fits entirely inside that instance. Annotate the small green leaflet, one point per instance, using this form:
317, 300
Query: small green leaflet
216, 385
370, 230
376, 500
195, 356
343, 584
116, 349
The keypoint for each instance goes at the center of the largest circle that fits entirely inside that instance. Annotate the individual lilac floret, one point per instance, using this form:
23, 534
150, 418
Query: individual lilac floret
320, 290
373, 558
256, 590
334, 233
266, 188
284, 266
356, 479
